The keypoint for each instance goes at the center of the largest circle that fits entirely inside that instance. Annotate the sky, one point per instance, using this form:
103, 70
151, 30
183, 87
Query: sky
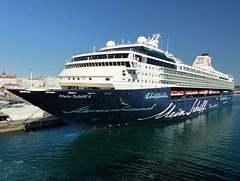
44, 34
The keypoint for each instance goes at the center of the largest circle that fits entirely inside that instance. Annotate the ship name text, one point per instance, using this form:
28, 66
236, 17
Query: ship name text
224, 98
128, 108
212, 106
64, 96
152, 95
170, 112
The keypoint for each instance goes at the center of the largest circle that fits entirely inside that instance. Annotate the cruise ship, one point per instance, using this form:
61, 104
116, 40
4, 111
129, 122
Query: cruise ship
132, 83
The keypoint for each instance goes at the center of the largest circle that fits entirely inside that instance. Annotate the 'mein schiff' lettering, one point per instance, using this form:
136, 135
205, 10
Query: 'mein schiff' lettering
170, 112
66, 96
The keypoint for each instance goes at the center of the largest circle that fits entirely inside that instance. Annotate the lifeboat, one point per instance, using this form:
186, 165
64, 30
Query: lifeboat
180, 93
188, 92
173, 93
202, 92
195, 92
218, 92
212, 92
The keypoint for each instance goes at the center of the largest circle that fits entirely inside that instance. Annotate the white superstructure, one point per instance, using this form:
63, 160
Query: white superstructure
140, 65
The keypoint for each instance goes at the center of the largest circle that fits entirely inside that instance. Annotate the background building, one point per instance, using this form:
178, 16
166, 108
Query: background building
7, 81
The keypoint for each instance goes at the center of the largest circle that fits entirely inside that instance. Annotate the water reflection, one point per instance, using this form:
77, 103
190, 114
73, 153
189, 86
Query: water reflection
183, 150
205, 147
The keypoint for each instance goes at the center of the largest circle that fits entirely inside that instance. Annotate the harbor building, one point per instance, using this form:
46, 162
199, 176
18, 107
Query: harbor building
13, 81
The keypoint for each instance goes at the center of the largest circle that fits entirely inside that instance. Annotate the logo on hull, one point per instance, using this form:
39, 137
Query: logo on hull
198, 107
128, 108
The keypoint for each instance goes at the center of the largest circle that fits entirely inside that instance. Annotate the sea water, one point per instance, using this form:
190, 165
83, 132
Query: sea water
205, 147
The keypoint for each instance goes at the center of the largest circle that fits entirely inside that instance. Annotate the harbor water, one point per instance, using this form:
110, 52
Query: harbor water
205, 147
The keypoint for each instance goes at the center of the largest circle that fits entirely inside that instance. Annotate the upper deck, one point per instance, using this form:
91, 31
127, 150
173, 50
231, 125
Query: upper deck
135, 62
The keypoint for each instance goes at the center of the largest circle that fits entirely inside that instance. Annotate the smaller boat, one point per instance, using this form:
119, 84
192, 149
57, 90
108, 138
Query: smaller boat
4, 118
180, 93
195, 92
189, 92
173, 93
211, 92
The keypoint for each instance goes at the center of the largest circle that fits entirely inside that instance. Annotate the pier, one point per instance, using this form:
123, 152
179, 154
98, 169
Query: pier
31, 124
19, 115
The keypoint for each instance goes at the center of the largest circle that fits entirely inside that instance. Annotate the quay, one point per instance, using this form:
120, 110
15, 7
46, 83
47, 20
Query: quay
236, 93
23, 116
31, 124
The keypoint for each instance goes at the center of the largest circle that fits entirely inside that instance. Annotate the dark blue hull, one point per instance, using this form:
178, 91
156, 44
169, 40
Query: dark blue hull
96, 109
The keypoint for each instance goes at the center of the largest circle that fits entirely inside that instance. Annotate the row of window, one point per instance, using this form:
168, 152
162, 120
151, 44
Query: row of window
84, 78
79, 87
146, 51
149, 81
104, 56
186, 74
197, 71
164, 82
223, 78
125, 55
143, 74
177, 79
194, 81
98, 64
160, 63
129, 80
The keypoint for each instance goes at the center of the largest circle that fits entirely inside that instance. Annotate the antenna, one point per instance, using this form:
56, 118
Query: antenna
168, 43
154, 41
93, 48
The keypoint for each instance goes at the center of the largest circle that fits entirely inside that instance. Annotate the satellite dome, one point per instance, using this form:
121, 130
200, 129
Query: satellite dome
141, 39
110, 43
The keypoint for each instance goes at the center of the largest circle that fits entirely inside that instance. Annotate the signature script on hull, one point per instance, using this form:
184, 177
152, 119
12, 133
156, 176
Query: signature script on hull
128, 108
170, 112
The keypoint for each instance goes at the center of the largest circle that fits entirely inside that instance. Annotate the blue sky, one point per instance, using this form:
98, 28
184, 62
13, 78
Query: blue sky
44, 34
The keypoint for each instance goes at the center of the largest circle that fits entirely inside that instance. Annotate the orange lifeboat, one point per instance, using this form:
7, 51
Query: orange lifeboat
188, 92
195, 92
180, 93
173, 93
201, 92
